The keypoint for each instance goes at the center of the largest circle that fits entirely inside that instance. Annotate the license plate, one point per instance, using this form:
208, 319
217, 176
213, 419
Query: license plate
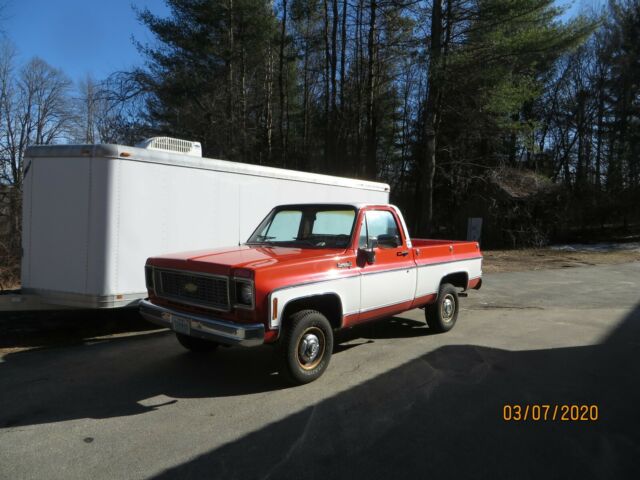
180, 325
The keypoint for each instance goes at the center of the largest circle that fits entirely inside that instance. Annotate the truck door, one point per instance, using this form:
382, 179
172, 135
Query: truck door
389, 283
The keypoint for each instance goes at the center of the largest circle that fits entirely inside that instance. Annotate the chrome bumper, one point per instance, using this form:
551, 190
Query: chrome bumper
221, 331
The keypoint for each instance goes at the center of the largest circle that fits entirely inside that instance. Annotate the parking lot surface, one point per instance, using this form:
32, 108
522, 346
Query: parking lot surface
396, 401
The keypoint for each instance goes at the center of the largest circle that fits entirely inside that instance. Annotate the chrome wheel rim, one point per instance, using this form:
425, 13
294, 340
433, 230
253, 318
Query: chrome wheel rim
448, 308
310, 348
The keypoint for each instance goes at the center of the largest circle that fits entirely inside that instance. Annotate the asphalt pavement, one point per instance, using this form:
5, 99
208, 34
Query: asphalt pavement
396, 402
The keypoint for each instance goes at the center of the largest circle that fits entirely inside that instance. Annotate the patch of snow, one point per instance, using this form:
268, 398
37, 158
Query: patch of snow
157, 401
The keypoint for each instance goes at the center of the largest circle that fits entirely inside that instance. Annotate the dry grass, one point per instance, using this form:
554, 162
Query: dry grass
545, 258
9, 273
10, 284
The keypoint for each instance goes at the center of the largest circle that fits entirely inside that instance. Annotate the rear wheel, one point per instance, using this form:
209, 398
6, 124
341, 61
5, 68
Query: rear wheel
441, 316
196, 345
307, 345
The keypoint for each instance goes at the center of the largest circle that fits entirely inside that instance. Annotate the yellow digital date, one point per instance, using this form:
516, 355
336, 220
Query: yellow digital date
550, 413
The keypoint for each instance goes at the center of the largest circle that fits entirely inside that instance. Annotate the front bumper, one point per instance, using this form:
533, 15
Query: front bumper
214, 329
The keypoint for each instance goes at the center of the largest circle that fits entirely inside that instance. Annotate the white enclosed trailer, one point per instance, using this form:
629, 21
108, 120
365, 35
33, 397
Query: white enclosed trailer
92, 214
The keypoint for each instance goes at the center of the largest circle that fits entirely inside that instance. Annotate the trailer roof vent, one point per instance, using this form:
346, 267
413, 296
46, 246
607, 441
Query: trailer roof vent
169, 144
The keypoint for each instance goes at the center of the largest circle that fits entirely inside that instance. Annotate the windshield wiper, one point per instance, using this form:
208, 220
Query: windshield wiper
261, 240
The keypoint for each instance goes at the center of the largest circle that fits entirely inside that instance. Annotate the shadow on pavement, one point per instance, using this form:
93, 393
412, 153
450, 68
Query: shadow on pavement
110, 378
395, 327
441, 416
66, 327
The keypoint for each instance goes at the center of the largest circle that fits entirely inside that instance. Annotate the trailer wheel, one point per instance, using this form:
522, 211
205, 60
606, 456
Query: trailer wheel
441, 316
196, 345
307, 345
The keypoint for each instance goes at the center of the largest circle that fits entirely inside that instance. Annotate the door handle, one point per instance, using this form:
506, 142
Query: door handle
402, 254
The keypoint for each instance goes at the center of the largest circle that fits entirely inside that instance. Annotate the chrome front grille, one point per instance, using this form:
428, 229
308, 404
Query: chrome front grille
198, 289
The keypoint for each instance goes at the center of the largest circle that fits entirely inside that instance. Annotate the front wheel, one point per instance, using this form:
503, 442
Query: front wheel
307, 345
441, 316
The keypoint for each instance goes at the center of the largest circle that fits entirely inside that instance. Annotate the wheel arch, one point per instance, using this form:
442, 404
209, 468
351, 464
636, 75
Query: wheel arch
329, 304
457, 279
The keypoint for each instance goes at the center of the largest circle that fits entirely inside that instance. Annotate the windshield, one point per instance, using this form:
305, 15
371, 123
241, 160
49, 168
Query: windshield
312, 226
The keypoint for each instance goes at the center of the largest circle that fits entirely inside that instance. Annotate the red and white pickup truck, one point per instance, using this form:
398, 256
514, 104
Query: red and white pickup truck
306, 271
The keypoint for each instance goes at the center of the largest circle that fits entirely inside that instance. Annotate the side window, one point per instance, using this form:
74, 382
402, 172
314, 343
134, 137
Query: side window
381, 222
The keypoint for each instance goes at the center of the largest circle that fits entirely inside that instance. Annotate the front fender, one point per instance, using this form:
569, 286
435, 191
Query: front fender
346, 289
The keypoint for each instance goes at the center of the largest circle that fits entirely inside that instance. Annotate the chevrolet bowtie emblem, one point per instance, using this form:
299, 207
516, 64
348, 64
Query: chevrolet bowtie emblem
190, 287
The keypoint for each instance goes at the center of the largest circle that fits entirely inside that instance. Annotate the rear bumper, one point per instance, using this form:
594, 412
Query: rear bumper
217, 330
475, 283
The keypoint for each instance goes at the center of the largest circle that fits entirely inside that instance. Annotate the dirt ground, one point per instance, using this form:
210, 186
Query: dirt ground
545, 258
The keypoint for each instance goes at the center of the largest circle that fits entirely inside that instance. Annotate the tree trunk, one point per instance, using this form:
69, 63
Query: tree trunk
371, 163
305, 100
230, 90
334, 58
358, 88
598, 179
269, 105
335, 129
327, 76
283, 153
431, 118
582, 162
343, 52
243, 103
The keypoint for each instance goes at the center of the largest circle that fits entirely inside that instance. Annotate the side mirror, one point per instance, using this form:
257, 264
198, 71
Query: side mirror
366, 256
389, 241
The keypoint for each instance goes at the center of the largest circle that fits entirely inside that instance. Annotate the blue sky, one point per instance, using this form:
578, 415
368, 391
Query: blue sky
94, 36
78, 36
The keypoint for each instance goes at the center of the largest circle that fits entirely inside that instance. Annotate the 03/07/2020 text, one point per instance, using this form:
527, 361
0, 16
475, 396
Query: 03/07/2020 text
550, 412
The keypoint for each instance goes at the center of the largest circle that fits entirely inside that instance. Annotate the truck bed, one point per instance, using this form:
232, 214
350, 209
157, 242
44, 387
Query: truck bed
429, 248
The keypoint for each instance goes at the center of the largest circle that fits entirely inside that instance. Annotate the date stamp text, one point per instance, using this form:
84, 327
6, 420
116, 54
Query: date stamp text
550, 413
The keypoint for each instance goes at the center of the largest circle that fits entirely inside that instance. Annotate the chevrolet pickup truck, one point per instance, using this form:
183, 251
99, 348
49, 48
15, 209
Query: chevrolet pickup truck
307, 271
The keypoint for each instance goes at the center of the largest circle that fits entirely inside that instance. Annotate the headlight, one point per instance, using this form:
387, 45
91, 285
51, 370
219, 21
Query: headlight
244, 294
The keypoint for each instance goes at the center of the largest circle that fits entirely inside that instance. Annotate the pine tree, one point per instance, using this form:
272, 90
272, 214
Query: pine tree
487, 59
212, 73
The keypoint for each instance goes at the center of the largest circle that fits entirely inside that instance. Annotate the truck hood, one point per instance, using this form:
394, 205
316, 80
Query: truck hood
222, 260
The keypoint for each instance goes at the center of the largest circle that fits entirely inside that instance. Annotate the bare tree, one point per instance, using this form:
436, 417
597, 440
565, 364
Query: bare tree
111, 110
35, 108
90, 106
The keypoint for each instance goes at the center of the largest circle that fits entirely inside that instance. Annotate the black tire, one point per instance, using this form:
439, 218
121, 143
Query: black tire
196, 345
306, 346
441, 316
